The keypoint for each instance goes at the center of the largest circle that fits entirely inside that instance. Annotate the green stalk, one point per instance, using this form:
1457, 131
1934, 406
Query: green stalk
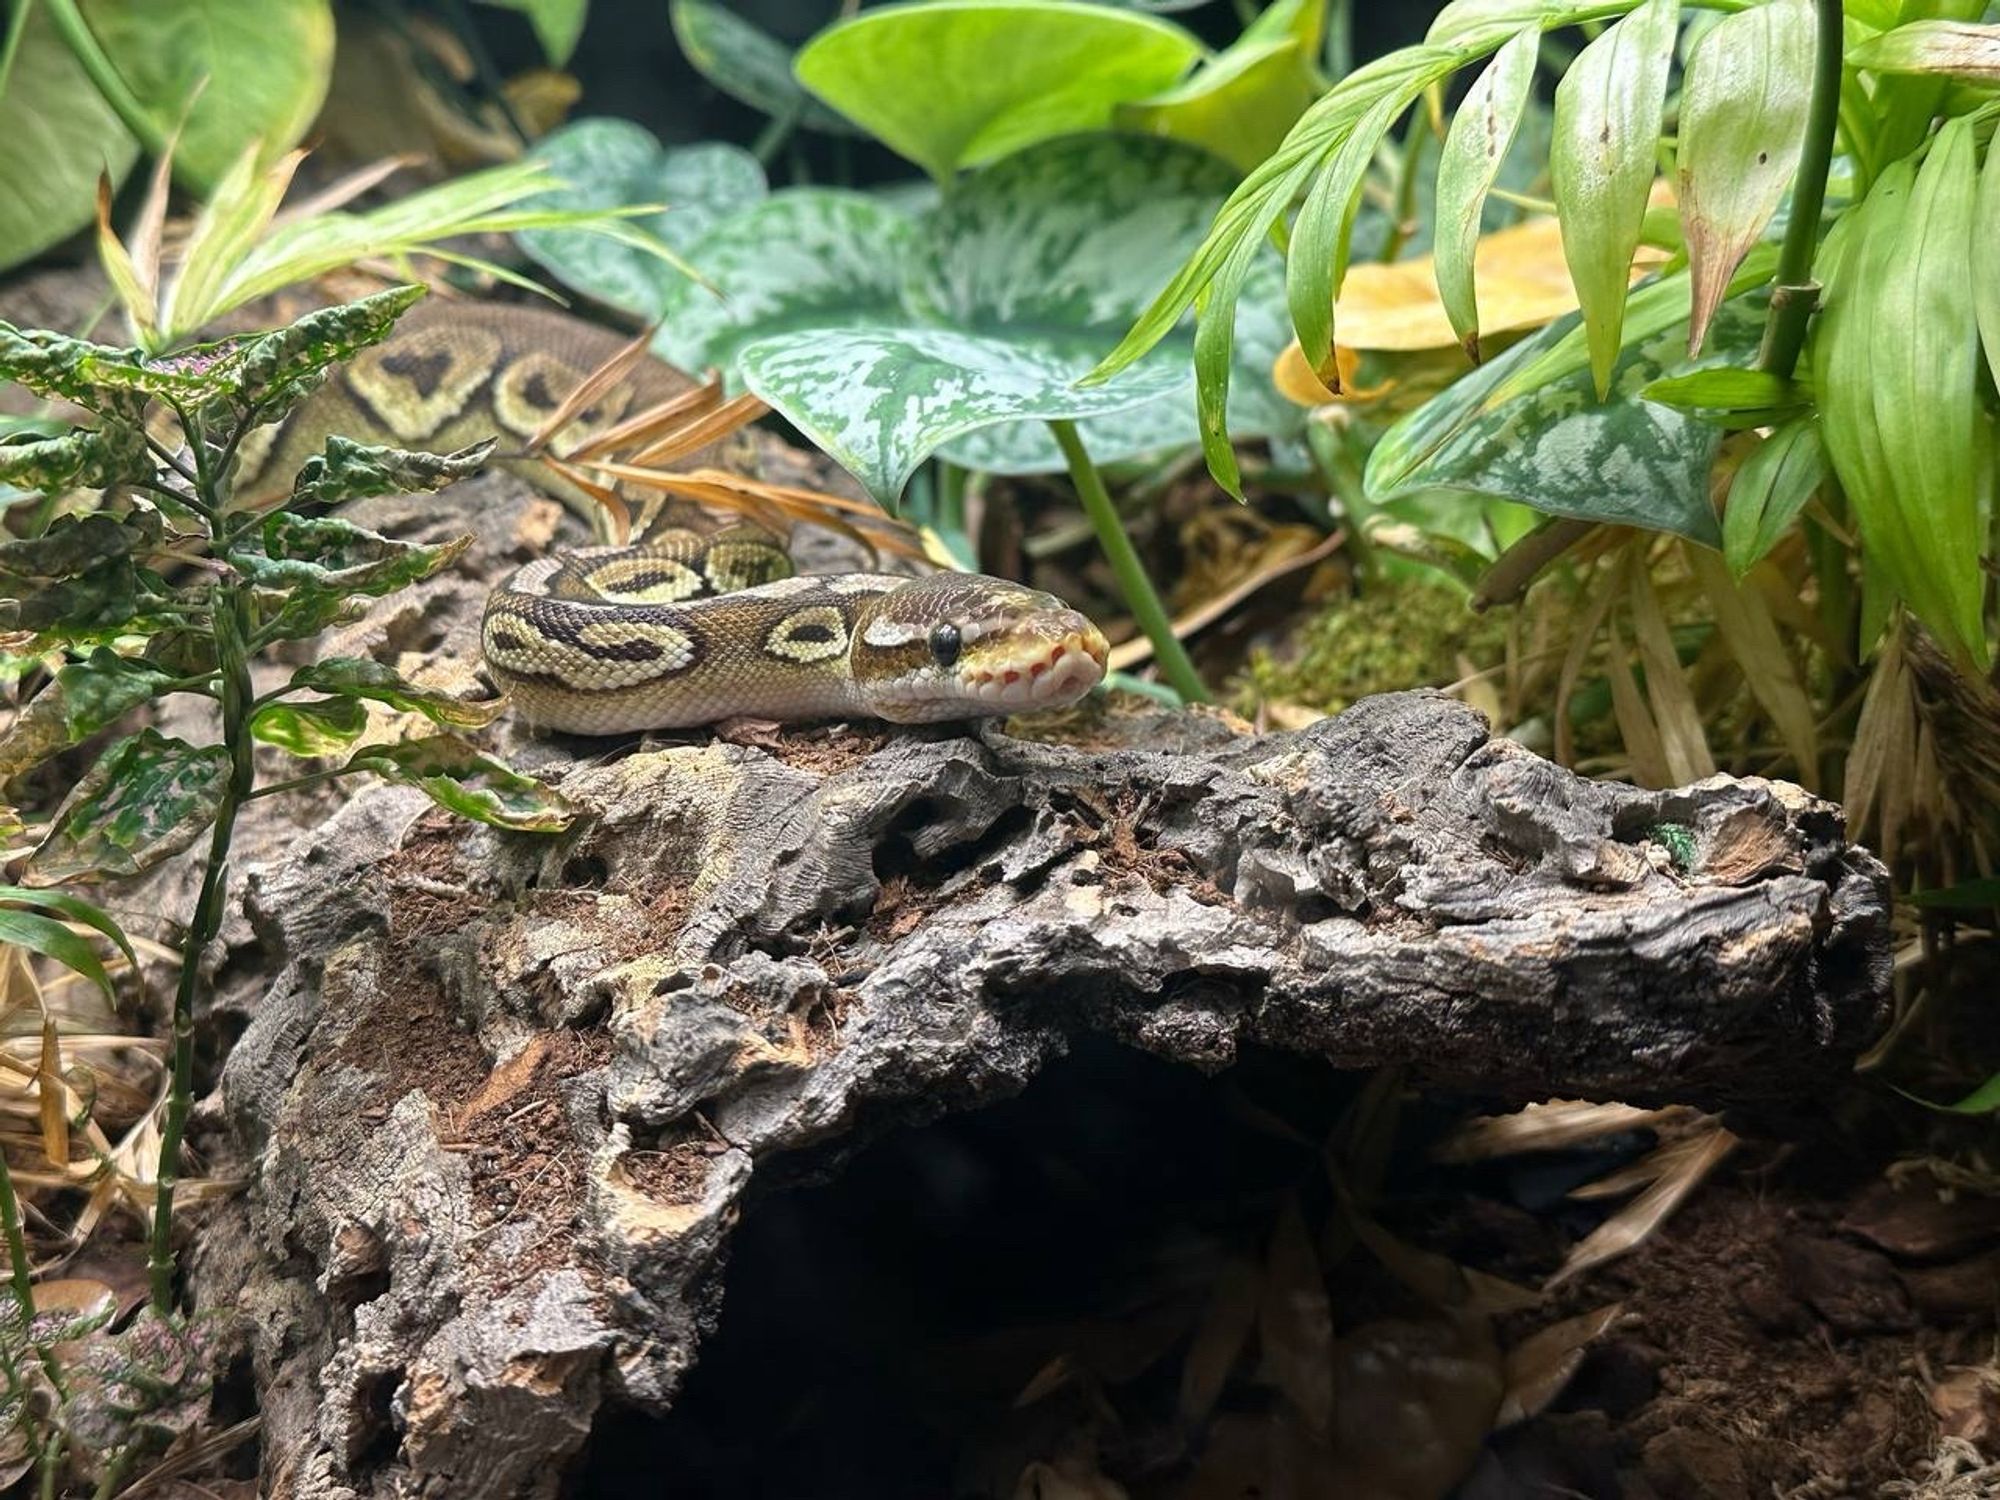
1794, 294
75, 31
233, 665
1140, 596
22, 1279
17, 27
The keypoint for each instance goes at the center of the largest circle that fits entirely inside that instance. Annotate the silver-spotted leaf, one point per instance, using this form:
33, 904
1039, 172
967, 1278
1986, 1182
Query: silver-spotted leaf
348, 470
955, 83
749, 64
609, 163
79, 700
1742, 127
1607, 132
148, 797
334, 557
1559, 449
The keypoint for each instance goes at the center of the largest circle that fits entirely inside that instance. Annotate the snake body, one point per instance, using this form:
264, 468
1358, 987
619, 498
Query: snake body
684, 626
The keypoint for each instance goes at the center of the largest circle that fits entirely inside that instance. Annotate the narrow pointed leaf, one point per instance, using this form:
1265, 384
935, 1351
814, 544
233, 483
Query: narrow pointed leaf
1317, 258
1948, 49
1769, 490
1607, 131
1894, 359
1743, 118
1474, 150
52, 939
1986, 261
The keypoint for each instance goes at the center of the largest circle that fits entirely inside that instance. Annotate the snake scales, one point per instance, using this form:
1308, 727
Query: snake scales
683, 626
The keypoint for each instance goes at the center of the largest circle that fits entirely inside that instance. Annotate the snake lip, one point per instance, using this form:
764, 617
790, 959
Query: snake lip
1063, 670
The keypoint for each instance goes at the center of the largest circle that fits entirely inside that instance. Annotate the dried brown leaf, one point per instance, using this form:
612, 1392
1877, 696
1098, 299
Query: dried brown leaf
1295, 1322
1631, 1227
1541, 1365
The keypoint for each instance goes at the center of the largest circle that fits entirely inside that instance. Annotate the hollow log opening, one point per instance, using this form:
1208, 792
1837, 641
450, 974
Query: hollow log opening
959, 1300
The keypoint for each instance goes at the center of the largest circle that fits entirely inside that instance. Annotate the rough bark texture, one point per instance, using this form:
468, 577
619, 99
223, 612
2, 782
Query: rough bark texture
501, 1097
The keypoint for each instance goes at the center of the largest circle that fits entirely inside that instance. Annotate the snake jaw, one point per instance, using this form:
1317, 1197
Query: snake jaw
1039, 669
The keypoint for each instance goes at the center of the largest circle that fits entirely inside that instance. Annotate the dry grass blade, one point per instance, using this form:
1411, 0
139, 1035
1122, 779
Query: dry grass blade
1295, 1322
1630, 1228
1541, 1365
1663, 1161
1220, 1340
1644, 746
1681, 734
651, 424
53, 1094
1751, 635
617, 522
1885, 740
1584, 635
590, 388
1555, 1126
1135, 652
191, 1452
734, 413
770, 505
344, 190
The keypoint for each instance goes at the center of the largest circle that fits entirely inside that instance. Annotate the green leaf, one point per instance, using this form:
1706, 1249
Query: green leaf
953, 83
275, 371
1742, 127
1475, 149
1894, 357
358, 677
56, 135
558, 24
358, 471
808, 258
880, 401
54, 937
614, 163
1623, 460
89, 458
148, 797
329, 556
1978, 894
1731, 397
82, 698
1769, 490
1001, 298
1986, 261
1240, 103
1607, 134
749, 64
311, 730
1947, 49
456, 776
73, 545
240, 75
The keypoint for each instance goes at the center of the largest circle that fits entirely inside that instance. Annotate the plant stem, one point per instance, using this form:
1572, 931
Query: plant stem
1794, 294
17, 27
104, 74
1140, 596
22, 1277
233, 664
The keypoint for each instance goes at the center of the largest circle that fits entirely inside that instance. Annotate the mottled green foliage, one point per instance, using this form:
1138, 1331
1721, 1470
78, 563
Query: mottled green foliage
348, 470
457, 776
149, 796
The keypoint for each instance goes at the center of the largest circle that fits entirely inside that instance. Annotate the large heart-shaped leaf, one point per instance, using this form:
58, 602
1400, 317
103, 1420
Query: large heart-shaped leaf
1239, 103
56, 135
953, 83
240, 73
1023, 274
613, 163
1558, 449
810, 258
749, 64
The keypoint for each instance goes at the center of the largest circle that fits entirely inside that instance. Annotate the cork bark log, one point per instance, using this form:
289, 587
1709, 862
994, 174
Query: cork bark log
500, 1098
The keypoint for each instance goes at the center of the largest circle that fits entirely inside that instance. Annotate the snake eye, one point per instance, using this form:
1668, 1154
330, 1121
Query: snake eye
945, 644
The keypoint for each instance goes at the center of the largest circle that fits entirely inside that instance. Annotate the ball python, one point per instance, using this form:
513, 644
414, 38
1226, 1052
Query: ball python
684, 626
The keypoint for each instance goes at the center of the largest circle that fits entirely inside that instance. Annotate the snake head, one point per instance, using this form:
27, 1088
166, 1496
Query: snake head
957, 645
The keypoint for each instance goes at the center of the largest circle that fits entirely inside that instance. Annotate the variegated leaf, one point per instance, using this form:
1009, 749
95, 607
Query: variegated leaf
1743, 119
610, 163
1005, 294
805, 259
1559, 449
1607, 130
147, 797
955, 85
748, 64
